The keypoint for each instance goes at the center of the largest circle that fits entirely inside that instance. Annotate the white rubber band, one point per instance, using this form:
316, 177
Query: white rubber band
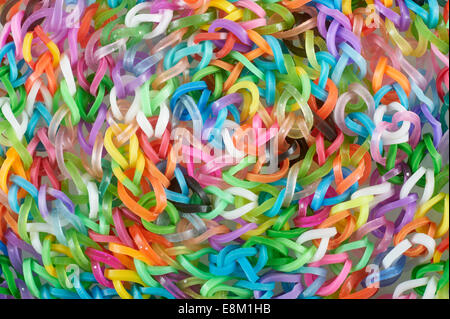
229, 146
429, 187
162, 26
36, 242
324, 234
399, 136
242, 192
428, 242
133, 19
407, 285
430, 290
93, 199
373, 190
66, 70
163, 119
19, 128
396, 253
409, 184
144, 124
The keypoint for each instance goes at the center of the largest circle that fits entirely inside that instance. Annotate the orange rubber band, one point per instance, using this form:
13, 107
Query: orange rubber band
346, 233
409, 228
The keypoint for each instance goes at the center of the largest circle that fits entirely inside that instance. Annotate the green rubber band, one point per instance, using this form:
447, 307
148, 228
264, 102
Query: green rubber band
284, 217
257, 240
29, 278
141, 269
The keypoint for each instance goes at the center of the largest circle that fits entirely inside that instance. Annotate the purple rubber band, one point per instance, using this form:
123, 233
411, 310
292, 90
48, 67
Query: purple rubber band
279, 277
15, 257
401, 21
223, 102
168, 284
237, 46
101, 117
233, 27
228, 237
409, 204
63, 198
435, 124
42, 201
14, 240
161, 5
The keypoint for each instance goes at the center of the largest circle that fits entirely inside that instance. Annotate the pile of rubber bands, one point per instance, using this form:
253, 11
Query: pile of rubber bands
226, 149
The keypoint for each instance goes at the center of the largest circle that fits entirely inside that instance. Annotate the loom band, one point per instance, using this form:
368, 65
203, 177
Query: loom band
360, 174
7, 10
420, 270
131, 185
29, 279
8, 51
442, 228
12, 161
268, 178
101, 17
290, 91
17, 106
349, 228
148, 215
363, 130
289, 152
133, 18
231, 236
330, 286
121, 250
185, 89
39, 112
390, 137
412, 73
363, 243
144, 64
205, 36
431, 16
402, 20
265, 65
24, 184
355, 57
21, 80
120, 229
350, 284
409, 228
9, 279
52, 47
440, 250
186, 102
329, 104
144, 247
225, 101
383, 68
408, 204
193, 21
411, 284
436, 125
276, 51
211, 69
422, 98
443, 74
310, 221
419, 154
273, 277
19, 128
181, 180
411, 182
191, 269
344, 34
